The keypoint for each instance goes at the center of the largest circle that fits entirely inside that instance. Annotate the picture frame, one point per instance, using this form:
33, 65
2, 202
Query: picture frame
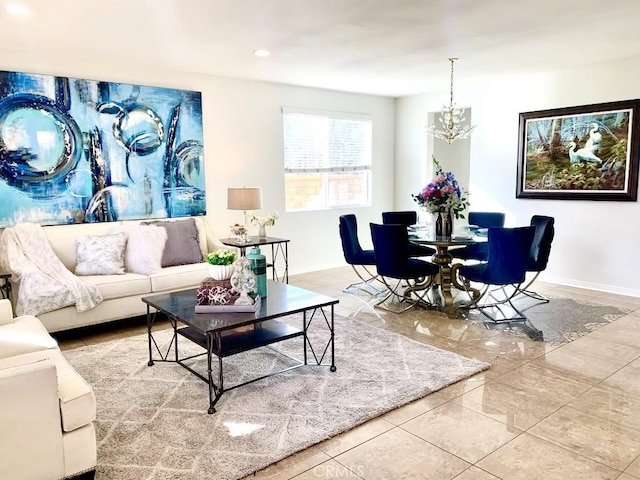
76, 150
587, 152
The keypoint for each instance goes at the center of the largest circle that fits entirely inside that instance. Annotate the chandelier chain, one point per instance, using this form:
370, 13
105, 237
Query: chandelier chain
451, 84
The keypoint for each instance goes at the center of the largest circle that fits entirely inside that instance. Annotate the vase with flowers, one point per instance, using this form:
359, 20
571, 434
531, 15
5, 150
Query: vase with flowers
444, 198
221, 263
263, 223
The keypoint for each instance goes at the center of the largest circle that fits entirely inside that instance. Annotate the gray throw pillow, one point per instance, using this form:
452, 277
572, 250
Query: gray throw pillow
183, 244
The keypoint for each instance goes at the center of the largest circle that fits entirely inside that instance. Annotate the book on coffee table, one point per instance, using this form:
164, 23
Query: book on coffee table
228, 307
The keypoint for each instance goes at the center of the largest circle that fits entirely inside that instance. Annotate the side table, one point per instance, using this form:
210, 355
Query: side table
279, 253
5, 287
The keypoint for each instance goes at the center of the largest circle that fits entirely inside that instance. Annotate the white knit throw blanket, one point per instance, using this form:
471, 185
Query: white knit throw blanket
44, 283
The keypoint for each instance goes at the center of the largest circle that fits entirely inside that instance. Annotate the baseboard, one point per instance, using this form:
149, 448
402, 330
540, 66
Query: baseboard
598, 287
316, 268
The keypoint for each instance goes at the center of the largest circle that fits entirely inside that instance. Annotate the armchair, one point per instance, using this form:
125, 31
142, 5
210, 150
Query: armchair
393, 261
46, 408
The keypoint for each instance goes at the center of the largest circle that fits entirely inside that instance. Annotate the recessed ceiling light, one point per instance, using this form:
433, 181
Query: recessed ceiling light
261, 53
17, 9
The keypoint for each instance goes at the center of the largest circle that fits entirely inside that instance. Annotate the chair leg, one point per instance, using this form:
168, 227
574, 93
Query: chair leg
365, 303
530, 293
498, 305
524, 290
367, 284
518, 317
403, 297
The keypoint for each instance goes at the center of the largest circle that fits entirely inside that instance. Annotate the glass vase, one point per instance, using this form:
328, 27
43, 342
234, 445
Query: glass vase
444, 224
448, 225
262, 232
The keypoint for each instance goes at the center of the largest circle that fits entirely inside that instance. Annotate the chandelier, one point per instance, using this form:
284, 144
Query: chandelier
450, 127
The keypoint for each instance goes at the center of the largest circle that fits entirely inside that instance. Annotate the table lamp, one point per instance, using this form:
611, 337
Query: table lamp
244, 198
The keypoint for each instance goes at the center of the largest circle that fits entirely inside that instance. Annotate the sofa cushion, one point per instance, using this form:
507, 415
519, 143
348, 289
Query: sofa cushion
145, 247
26, 334
117, 286
77, 401
100, 255
179, 277
183, 244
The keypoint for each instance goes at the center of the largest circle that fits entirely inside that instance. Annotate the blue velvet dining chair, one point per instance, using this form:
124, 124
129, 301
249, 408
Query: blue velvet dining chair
356, 256
393, 262
404, 217
407, 218
486, 219
480, 250
538, 258
506, 265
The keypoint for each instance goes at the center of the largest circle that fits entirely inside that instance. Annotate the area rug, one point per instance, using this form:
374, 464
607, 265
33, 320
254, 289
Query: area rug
560, 321
152, 422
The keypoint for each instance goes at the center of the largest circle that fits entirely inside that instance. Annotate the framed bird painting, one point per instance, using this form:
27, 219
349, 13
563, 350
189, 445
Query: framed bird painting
587, 152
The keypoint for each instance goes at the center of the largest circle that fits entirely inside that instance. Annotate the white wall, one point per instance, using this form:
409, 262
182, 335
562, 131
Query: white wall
595, 243
243, 147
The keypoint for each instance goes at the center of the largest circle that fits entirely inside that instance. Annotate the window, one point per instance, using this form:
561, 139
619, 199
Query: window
327, 160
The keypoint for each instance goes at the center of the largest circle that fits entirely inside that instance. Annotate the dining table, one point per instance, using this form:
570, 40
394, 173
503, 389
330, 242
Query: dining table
447, 277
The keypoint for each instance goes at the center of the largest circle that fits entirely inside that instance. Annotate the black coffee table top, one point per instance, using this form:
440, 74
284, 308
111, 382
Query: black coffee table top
282, 299
253, 241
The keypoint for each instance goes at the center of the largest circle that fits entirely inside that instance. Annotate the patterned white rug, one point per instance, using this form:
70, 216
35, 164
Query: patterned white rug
153, 424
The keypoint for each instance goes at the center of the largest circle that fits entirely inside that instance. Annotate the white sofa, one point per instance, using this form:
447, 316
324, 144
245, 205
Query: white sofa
46, 408
121, 293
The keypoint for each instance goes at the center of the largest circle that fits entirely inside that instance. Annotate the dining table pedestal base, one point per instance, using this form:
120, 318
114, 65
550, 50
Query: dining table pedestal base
447, 276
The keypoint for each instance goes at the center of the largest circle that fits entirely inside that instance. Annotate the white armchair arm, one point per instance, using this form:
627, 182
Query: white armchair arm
6, 312
30, 419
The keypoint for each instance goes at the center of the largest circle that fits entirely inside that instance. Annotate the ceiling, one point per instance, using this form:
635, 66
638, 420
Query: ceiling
382, 47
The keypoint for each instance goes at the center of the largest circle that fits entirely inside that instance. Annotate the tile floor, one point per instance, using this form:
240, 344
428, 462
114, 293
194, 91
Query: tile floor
541, 412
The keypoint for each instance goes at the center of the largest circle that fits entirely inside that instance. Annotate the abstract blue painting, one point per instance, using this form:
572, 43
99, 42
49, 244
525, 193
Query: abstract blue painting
74, 151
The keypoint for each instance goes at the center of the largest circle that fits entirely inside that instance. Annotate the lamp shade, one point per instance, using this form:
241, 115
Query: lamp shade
244, 198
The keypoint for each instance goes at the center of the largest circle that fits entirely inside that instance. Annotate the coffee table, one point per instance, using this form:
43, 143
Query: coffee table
225, 334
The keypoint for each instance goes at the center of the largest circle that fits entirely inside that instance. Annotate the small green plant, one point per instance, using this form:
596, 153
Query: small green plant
222, 257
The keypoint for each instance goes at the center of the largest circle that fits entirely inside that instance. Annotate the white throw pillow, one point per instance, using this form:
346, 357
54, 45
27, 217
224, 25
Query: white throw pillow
103, 255
145, 246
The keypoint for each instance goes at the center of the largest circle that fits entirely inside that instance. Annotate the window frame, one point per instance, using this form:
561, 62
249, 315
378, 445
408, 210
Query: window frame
326, 171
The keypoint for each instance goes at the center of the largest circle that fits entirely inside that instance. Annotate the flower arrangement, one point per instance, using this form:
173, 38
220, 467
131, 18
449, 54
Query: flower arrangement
442, 194
268, 221
222, 256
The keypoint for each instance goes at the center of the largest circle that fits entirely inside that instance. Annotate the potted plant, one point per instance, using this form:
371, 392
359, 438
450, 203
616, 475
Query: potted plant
221, 263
